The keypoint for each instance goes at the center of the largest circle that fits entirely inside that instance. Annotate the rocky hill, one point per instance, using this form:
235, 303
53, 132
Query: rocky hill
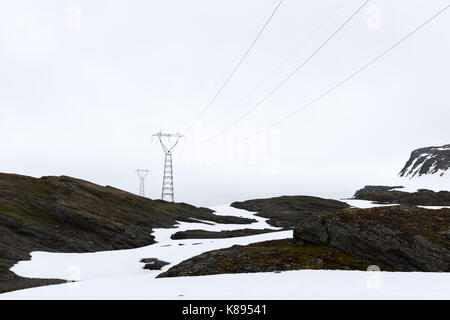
394, 238
426, 161
406, 238
64, 214
268, 256
374, 189
386, 195
288, 211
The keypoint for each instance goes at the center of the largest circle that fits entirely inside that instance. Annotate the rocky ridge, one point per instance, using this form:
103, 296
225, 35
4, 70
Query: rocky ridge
406, 238
64, 214
269, 256
386, 195
426, 161
202, 234
289, 211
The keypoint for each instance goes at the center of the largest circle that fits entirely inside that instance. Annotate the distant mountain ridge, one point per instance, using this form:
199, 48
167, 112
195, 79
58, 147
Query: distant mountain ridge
427, 161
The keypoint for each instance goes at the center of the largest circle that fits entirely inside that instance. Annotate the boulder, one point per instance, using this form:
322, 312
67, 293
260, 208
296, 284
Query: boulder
153, 263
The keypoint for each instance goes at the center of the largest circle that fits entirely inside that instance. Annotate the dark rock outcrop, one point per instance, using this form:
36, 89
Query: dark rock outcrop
428, 160
63, 214
288, 211
377, 189
406, 238
202, 234
422, 197
269, 256
153, 263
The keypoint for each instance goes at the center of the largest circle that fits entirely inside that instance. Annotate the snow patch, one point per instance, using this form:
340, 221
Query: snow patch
289, 285
105, 264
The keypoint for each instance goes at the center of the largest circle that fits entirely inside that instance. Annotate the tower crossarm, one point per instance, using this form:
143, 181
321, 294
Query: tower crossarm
165, 145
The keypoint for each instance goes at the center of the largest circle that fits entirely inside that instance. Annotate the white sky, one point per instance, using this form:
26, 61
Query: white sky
83, 100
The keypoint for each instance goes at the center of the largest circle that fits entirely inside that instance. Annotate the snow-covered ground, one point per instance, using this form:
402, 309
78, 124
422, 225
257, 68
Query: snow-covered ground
87, 266
364, 204
293, 285
434, 182
119, 274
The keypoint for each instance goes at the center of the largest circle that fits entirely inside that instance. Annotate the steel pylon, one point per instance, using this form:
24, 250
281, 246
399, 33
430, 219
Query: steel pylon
142, 173
167, 192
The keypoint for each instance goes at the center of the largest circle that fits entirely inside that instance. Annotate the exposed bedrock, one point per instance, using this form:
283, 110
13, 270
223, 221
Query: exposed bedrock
288, 211
202, 234
422, 197
403, 237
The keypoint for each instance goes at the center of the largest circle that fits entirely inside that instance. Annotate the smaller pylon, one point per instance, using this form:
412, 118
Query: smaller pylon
142, 173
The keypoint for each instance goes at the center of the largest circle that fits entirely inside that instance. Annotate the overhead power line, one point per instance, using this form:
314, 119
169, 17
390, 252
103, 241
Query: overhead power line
378, 57
260, 102
210, 103
293, 52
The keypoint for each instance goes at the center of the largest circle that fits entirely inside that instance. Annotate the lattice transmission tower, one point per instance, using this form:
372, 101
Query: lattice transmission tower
168, 146
142, 173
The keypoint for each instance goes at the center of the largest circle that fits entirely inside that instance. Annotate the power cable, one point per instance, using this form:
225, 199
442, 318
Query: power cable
210, 103
378, 57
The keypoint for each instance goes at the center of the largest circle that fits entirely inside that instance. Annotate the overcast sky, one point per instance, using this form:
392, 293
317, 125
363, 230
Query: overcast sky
84, 84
